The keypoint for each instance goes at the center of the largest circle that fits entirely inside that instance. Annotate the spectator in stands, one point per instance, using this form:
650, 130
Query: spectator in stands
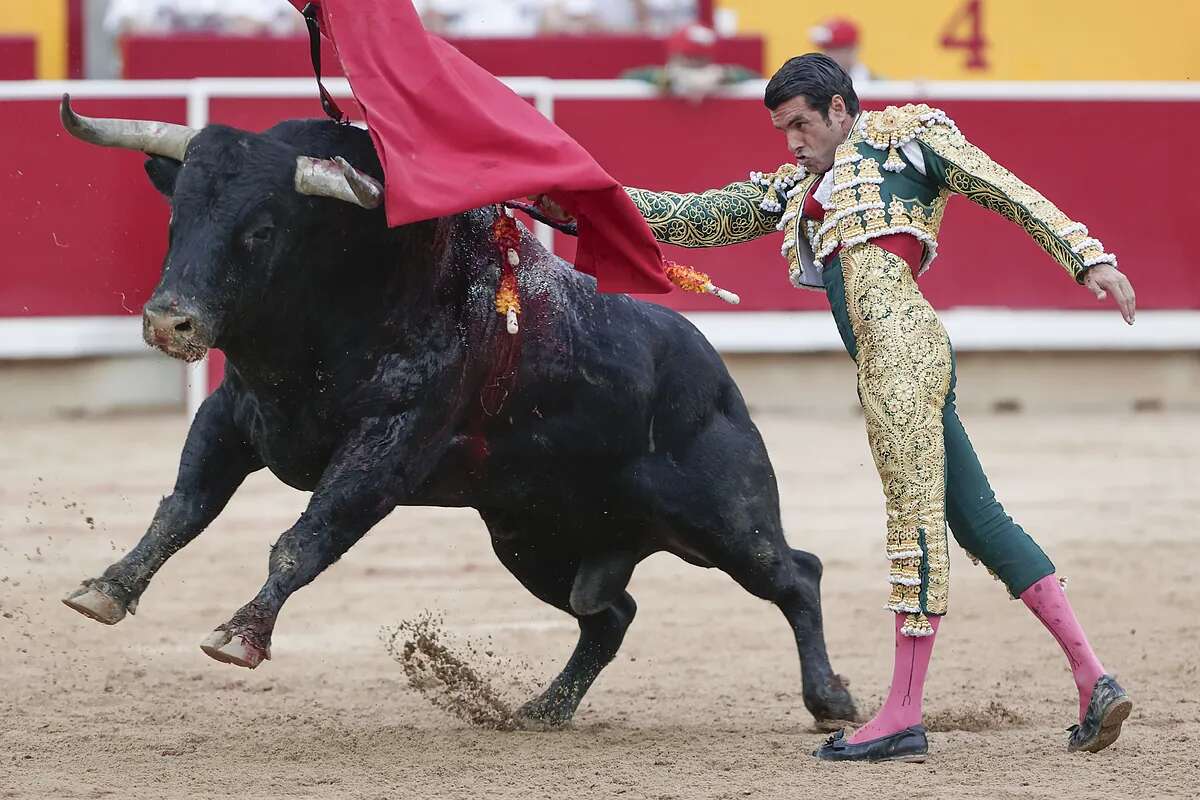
691, 70
646, 17
573, 17
660, 17
482, 18
622, 16
229, 17
530, 17
838, 38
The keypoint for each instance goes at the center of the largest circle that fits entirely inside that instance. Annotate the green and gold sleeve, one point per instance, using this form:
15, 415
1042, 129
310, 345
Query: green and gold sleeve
963, 168
737, 213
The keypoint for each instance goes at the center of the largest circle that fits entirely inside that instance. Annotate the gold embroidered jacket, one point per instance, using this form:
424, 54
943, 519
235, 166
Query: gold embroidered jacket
894, 174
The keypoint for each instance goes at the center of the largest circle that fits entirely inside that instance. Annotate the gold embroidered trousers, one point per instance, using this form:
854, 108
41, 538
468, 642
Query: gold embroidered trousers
929, 471
903, 380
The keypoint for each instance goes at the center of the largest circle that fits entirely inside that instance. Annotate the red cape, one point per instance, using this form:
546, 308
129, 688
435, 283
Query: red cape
452, 137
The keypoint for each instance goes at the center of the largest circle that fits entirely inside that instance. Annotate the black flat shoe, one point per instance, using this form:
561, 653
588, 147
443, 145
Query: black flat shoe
1101, 725
909, 745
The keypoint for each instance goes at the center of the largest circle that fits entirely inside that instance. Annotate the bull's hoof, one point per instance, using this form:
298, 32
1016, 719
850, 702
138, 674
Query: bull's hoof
234, 649
832, 706
834, 725
543, 714
93, 603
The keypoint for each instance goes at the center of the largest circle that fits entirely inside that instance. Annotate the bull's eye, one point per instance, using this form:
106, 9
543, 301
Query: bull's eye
257, 237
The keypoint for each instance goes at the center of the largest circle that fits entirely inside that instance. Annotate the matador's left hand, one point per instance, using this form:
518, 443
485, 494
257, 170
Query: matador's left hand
1105, 279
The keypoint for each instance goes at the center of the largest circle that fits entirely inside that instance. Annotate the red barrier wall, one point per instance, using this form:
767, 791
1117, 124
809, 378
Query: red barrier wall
1131, 184
544, 56
210, 56
18, 58
86, 232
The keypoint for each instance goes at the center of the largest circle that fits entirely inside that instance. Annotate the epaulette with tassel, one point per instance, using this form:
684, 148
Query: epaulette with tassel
895, 127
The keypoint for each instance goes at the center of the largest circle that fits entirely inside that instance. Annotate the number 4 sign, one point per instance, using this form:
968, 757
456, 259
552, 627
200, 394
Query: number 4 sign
965, 31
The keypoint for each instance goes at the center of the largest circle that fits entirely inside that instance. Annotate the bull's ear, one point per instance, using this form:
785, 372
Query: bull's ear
162, 172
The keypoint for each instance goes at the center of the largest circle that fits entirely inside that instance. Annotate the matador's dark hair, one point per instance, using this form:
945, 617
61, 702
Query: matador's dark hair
818, 78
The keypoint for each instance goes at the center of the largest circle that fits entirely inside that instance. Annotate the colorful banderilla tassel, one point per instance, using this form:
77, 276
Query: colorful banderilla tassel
692, 280
508, 301
507, 238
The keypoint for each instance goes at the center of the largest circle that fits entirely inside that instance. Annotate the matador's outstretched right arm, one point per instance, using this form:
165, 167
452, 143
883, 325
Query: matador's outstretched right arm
740, 212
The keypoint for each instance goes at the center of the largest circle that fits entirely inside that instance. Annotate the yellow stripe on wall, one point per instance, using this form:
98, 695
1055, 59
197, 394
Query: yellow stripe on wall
46, 20
1023, 39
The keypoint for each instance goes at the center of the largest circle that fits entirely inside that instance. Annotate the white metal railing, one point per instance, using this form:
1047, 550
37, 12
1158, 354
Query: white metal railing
972, 329
618, 89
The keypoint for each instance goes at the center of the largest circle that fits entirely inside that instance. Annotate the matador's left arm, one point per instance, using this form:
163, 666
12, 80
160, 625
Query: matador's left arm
961, 167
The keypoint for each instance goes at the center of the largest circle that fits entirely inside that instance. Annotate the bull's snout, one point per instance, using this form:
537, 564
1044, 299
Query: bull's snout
167, 323
173, 330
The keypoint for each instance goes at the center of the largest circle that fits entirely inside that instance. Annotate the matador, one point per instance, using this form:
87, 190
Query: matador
860, 212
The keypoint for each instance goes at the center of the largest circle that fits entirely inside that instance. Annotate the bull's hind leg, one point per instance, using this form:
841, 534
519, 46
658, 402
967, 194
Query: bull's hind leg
715, 489
732, 522
595, 596
600, 636
215, 461
761, 561
825, 694
766, 567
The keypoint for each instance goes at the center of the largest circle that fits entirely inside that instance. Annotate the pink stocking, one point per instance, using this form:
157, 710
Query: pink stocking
1048, 602
902, 709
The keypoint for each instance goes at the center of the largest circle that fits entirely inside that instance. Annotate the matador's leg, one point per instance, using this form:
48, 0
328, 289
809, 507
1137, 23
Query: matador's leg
902, 354
989, 534
904, 372
979, 523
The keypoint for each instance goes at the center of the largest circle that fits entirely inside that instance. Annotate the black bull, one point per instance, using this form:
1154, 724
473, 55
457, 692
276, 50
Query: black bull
368, 366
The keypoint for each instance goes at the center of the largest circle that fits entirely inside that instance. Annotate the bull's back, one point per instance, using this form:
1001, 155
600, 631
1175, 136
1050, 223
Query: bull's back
611, 392
624, 365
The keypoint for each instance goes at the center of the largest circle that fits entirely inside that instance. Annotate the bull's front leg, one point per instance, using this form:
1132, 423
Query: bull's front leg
215, 461
369, 475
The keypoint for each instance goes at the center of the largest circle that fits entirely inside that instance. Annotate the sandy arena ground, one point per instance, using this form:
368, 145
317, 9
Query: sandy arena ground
702, 702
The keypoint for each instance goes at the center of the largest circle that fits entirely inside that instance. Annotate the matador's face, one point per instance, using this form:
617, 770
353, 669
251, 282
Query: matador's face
811, 136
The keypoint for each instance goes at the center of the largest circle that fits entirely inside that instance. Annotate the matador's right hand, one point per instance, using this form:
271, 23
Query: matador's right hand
550, 208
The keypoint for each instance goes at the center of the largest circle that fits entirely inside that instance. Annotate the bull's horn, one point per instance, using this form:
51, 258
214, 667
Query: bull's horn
335, 178
153, 138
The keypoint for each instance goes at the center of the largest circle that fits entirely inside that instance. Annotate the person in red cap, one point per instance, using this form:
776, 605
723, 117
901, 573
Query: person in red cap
838, 38
691, 70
